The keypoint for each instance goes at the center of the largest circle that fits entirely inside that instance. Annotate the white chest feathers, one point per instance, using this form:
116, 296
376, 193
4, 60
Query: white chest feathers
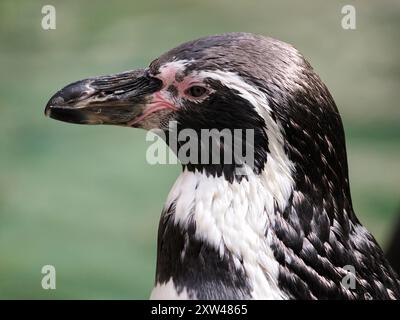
234, 217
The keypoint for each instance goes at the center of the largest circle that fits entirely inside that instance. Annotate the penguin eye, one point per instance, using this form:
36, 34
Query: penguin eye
196, 91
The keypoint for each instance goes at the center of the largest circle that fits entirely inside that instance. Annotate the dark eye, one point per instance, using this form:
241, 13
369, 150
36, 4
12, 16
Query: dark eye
196, 91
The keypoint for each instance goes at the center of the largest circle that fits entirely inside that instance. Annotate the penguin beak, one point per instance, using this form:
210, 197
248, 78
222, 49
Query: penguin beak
115, 99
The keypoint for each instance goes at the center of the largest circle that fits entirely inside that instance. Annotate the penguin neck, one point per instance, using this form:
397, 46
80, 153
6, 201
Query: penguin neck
220, 229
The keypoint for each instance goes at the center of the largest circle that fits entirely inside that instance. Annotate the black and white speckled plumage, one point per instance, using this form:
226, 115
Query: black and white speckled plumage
201, 271
318, 229
311, 231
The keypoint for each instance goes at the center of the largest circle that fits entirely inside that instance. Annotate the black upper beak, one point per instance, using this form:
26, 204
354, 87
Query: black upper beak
115, 99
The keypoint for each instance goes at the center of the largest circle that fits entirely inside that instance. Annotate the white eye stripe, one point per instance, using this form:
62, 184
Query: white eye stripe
167, 72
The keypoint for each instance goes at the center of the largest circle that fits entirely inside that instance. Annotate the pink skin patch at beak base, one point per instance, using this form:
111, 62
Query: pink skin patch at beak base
158, 103
161, 100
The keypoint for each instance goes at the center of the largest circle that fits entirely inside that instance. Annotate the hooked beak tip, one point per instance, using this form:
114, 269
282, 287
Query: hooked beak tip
47, 111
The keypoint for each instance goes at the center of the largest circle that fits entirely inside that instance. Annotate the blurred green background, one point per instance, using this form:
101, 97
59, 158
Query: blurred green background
85, 200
